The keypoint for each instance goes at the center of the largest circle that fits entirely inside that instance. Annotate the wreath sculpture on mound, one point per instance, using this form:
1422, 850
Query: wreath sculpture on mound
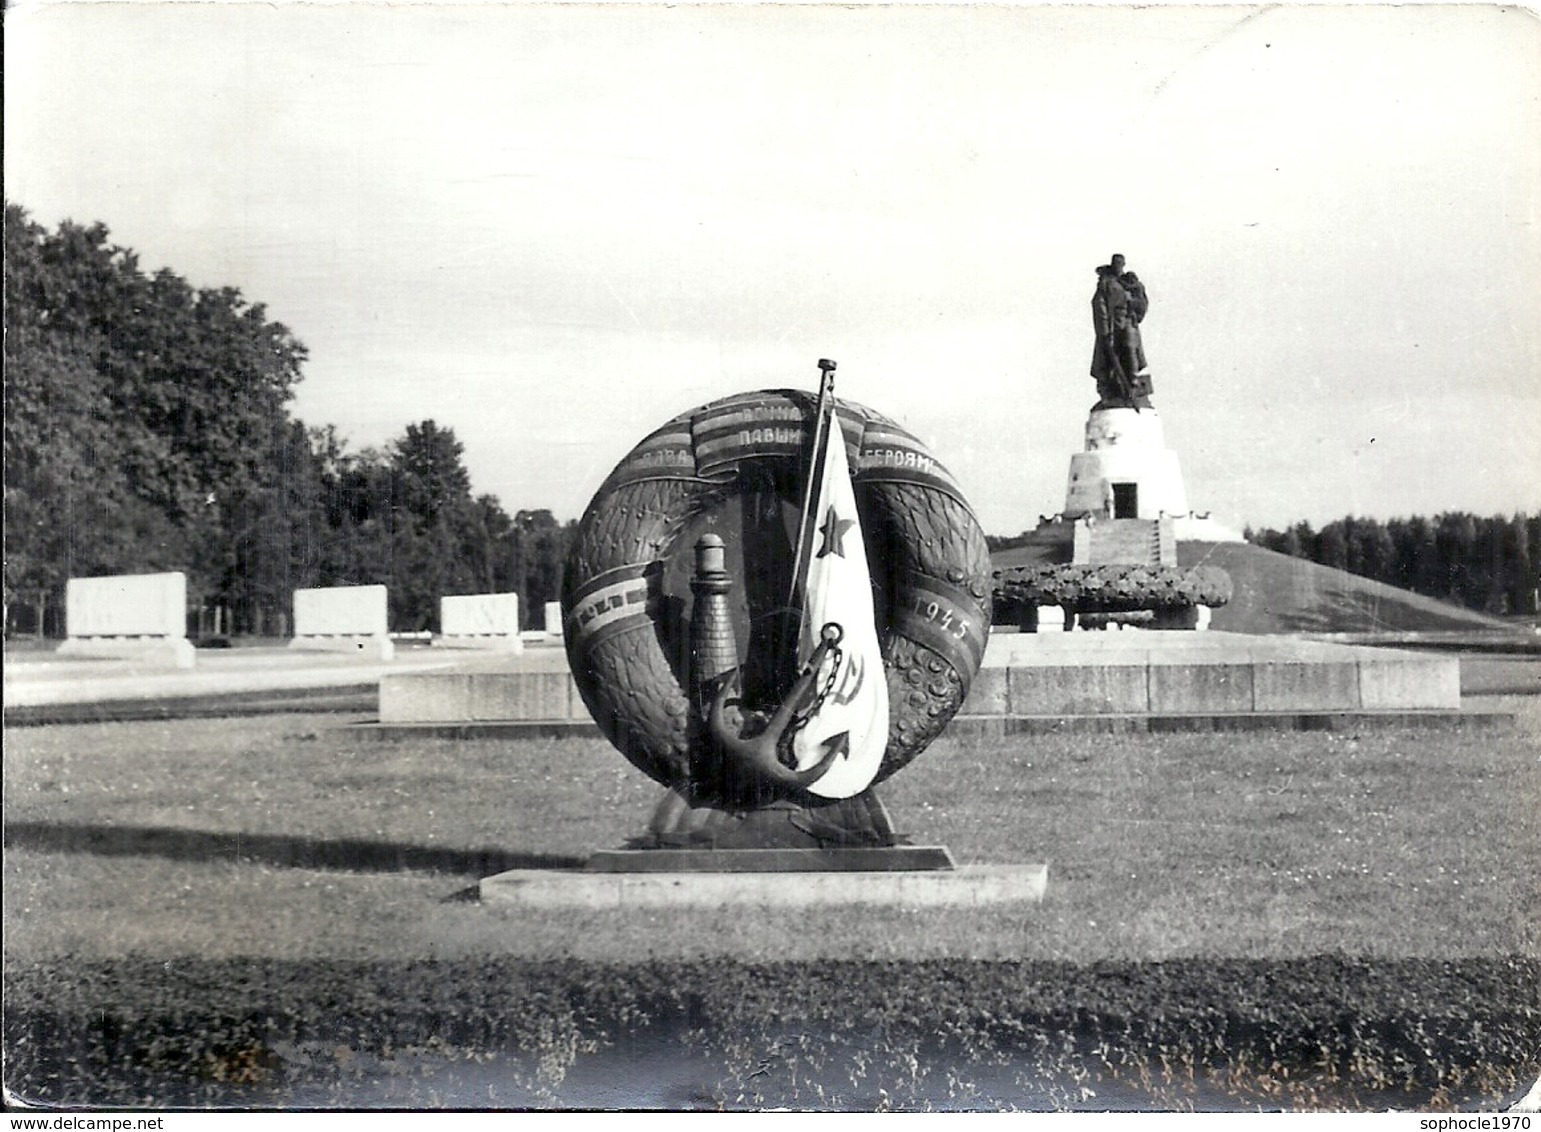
1108, 588
734, 467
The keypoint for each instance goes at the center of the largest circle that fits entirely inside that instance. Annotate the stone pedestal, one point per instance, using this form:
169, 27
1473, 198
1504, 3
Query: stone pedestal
534, 687
680, 824
1126, 471
795, 855
154, 652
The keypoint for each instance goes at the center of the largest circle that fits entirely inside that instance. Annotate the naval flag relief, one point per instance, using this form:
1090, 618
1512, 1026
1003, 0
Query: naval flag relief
851, 717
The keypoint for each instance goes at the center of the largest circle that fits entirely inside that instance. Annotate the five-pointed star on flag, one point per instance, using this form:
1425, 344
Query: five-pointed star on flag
833, 530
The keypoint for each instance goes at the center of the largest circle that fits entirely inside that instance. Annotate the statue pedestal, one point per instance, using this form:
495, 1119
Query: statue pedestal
894, 859
1126, 471
828, 872
849, 836
679, 826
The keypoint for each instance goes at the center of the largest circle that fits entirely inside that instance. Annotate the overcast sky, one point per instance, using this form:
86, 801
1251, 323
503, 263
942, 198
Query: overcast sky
551, 228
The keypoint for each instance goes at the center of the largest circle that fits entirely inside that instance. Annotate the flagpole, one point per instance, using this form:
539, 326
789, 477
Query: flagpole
823, 417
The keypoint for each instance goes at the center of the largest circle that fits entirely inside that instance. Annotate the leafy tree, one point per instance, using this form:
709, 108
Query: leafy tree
1375, 551
275, 537
434, 524
1298, 541
141, 414
357, 506
1455, 543
488, 528
406, 518
1332, 546
434, 481
1525, 564
70, 508
147, 428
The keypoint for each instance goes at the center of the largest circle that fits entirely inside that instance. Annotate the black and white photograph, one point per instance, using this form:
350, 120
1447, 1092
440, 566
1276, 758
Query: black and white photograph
628, 558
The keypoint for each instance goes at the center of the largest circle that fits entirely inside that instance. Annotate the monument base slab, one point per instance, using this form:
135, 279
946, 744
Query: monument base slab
972, 886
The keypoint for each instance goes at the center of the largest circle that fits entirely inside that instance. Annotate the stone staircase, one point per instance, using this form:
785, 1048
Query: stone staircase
1140, 542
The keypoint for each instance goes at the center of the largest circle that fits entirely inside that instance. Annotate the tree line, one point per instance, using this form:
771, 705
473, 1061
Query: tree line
1483, 563
147, 428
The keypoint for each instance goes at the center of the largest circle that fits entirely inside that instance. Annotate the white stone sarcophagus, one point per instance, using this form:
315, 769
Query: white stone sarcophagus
351, 619
481, 621
140, 617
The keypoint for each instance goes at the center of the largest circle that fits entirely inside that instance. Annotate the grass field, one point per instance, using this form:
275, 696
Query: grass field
297, 835
300, 840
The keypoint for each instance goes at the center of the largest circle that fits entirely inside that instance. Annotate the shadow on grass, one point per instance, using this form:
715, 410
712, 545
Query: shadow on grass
282, 850
361, 699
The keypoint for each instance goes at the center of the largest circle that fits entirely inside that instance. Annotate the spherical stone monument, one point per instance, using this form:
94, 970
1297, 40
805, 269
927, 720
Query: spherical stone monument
687, 623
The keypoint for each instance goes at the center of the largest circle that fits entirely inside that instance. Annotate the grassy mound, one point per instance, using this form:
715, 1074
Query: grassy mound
1322, 1032
1274, 593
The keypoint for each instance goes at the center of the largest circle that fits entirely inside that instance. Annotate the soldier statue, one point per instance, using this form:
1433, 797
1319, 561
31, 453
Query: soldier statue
1118, 354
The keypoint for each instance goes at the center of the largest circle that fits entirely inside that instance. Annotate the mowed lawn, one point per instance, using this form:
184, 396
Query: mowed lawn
301, 836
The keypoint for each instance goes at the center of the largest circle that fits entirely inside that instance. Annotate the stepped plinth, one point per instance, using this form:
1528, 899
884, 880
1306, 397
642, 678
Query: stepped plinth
1126, 470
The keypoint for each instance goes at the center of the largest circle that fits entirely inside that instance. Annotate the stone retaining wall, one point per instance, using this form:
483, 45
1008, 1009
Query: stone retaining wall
1028, 675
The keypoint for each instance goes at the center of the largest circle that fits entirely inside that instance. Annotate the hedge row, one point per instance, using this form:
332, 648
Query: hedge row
1108, 588
1328, 1031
